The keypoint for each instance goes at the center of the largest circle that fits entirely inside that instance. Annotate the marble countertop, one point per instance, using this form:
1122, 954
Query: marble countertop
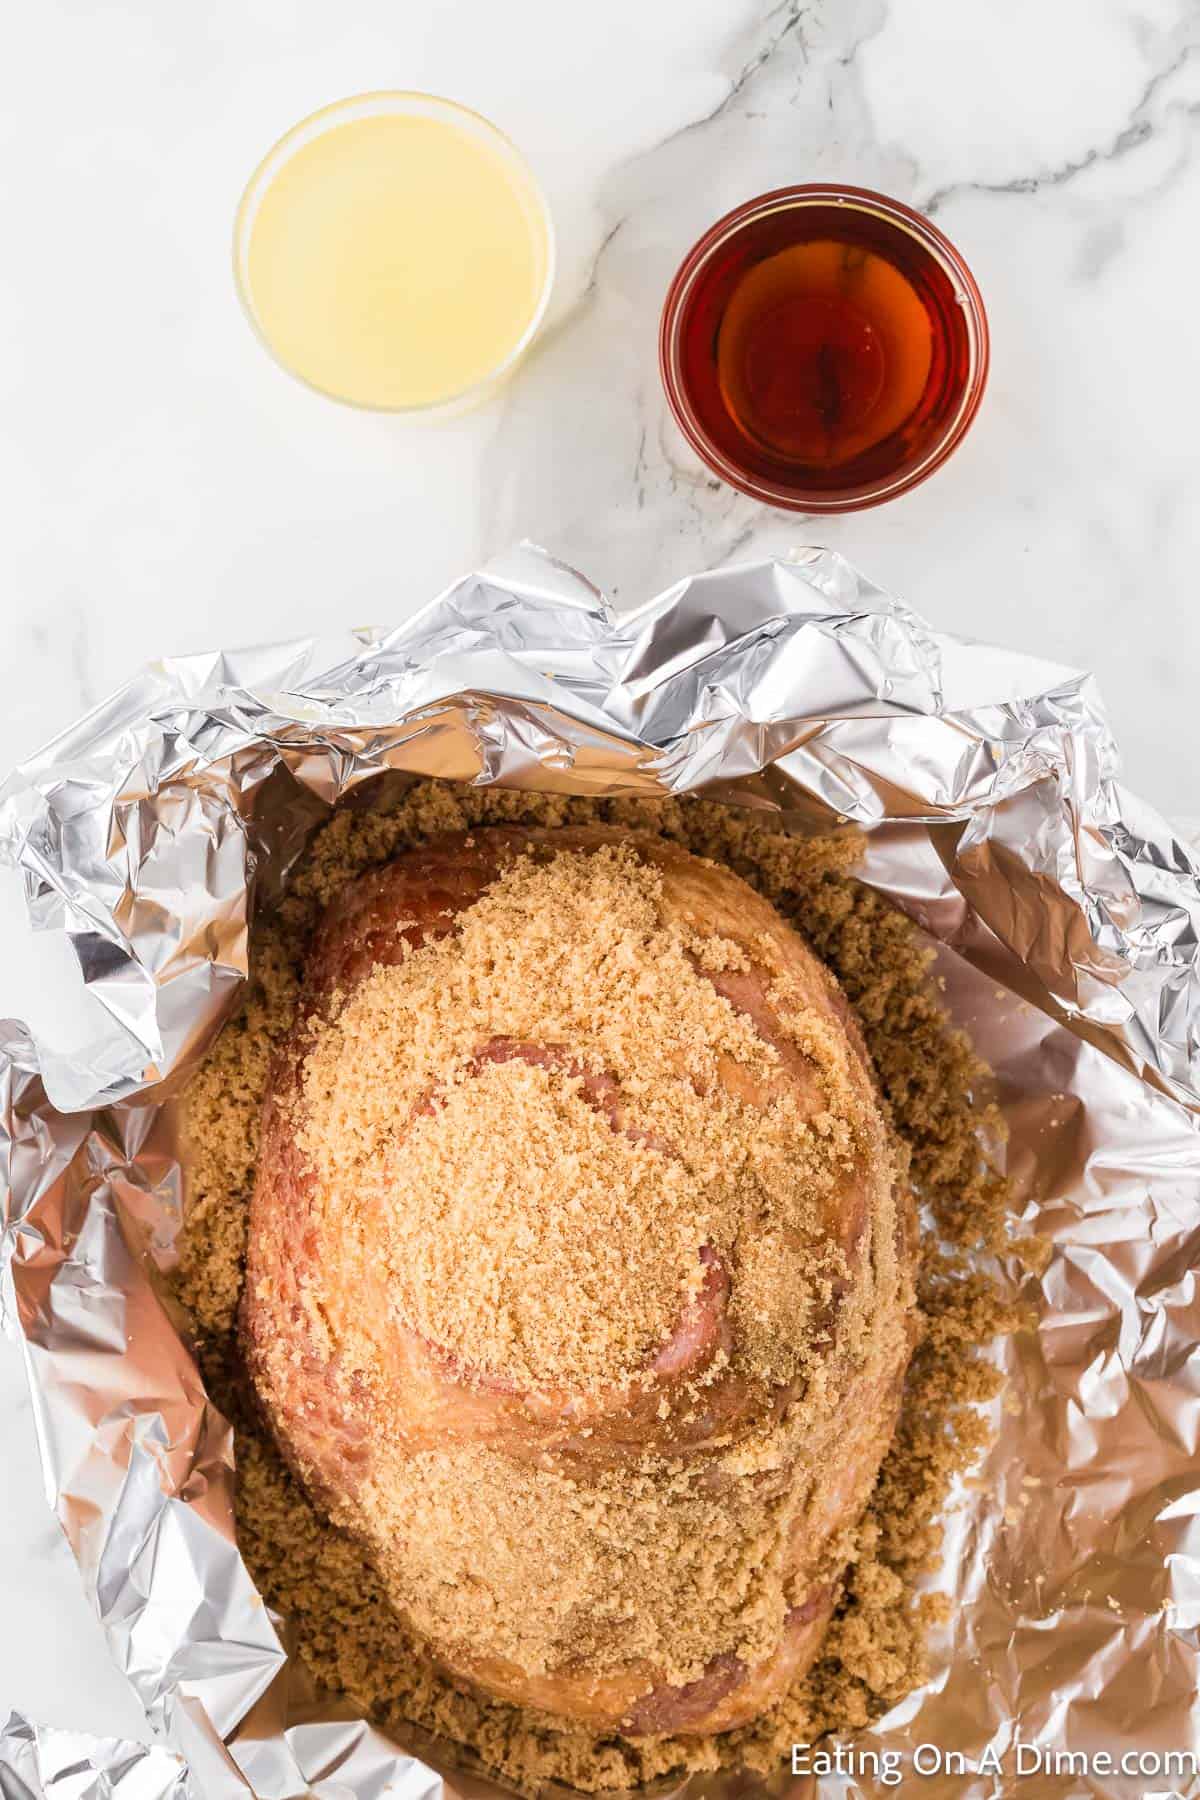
166, 488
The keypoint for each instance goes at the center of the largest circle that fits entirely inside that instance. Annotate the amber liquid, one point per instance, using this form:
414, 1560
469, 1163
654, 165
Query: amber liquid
823, 349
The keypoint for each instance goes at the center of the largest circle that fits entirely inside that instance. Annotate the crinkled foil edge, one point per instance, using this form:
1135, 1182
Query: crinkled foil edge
37, 1763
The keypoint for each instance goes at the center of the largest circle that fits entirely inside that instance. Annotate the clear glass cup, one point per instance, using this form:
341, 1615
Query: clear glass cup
411, 105
694, 312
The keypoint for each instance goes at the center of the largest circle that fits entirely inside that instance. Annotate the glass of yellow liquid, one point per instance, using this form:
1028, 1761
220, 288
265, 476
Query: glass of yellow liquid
394, 251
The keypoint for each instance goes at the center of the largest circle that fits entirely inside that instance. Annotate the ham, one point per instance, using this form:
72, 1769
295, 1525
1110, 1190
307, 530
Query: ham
690, 1410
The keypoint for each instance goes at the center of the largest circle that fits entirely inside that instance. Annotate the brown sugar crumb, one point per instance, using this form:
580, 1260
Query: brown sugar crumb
462, 1224
523, 1228
219, 1137
346, 1633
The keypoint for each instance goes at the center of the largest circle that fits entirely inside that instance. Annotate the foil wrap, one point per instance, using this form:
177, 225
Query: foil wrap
36, 1764
1066, 914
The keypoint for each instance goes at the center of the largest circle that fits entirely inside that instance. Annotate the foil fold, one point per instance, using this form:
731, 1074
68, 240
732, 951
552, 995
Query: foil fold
1066, 914
39, 1764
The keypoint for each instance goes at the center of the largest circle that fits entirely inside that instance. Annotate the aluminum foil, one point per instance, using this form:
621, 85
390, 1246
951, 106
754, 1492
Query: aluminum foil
36, 1764
1067, 916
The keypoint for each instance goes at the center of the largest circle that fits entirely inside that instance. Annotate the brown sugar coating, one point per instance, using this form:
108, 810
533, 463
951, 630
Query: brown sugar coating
580, 1270
585, 1477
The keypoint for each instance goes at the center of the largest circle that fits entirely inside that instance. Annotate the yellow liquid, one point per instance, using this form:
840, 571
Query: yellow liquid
396, 260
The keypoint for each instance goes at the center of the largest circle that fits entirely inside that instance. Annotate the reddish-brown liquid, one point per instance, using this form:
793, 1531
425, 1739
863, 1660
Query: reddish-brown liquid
823, 348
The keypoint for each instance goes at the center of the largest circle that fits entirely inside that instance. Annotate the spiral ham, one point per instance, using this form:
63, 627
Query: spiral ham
580, 1271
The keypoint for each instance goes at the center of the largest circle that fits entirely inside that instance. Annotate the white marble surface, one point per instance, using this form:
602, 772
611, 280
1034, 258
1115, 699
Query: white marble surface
166, 488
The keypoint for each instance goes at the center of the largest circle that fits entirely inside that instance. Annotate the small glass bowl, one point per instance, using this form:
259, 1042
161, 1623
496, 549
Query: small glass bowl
738, 232
403, 103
